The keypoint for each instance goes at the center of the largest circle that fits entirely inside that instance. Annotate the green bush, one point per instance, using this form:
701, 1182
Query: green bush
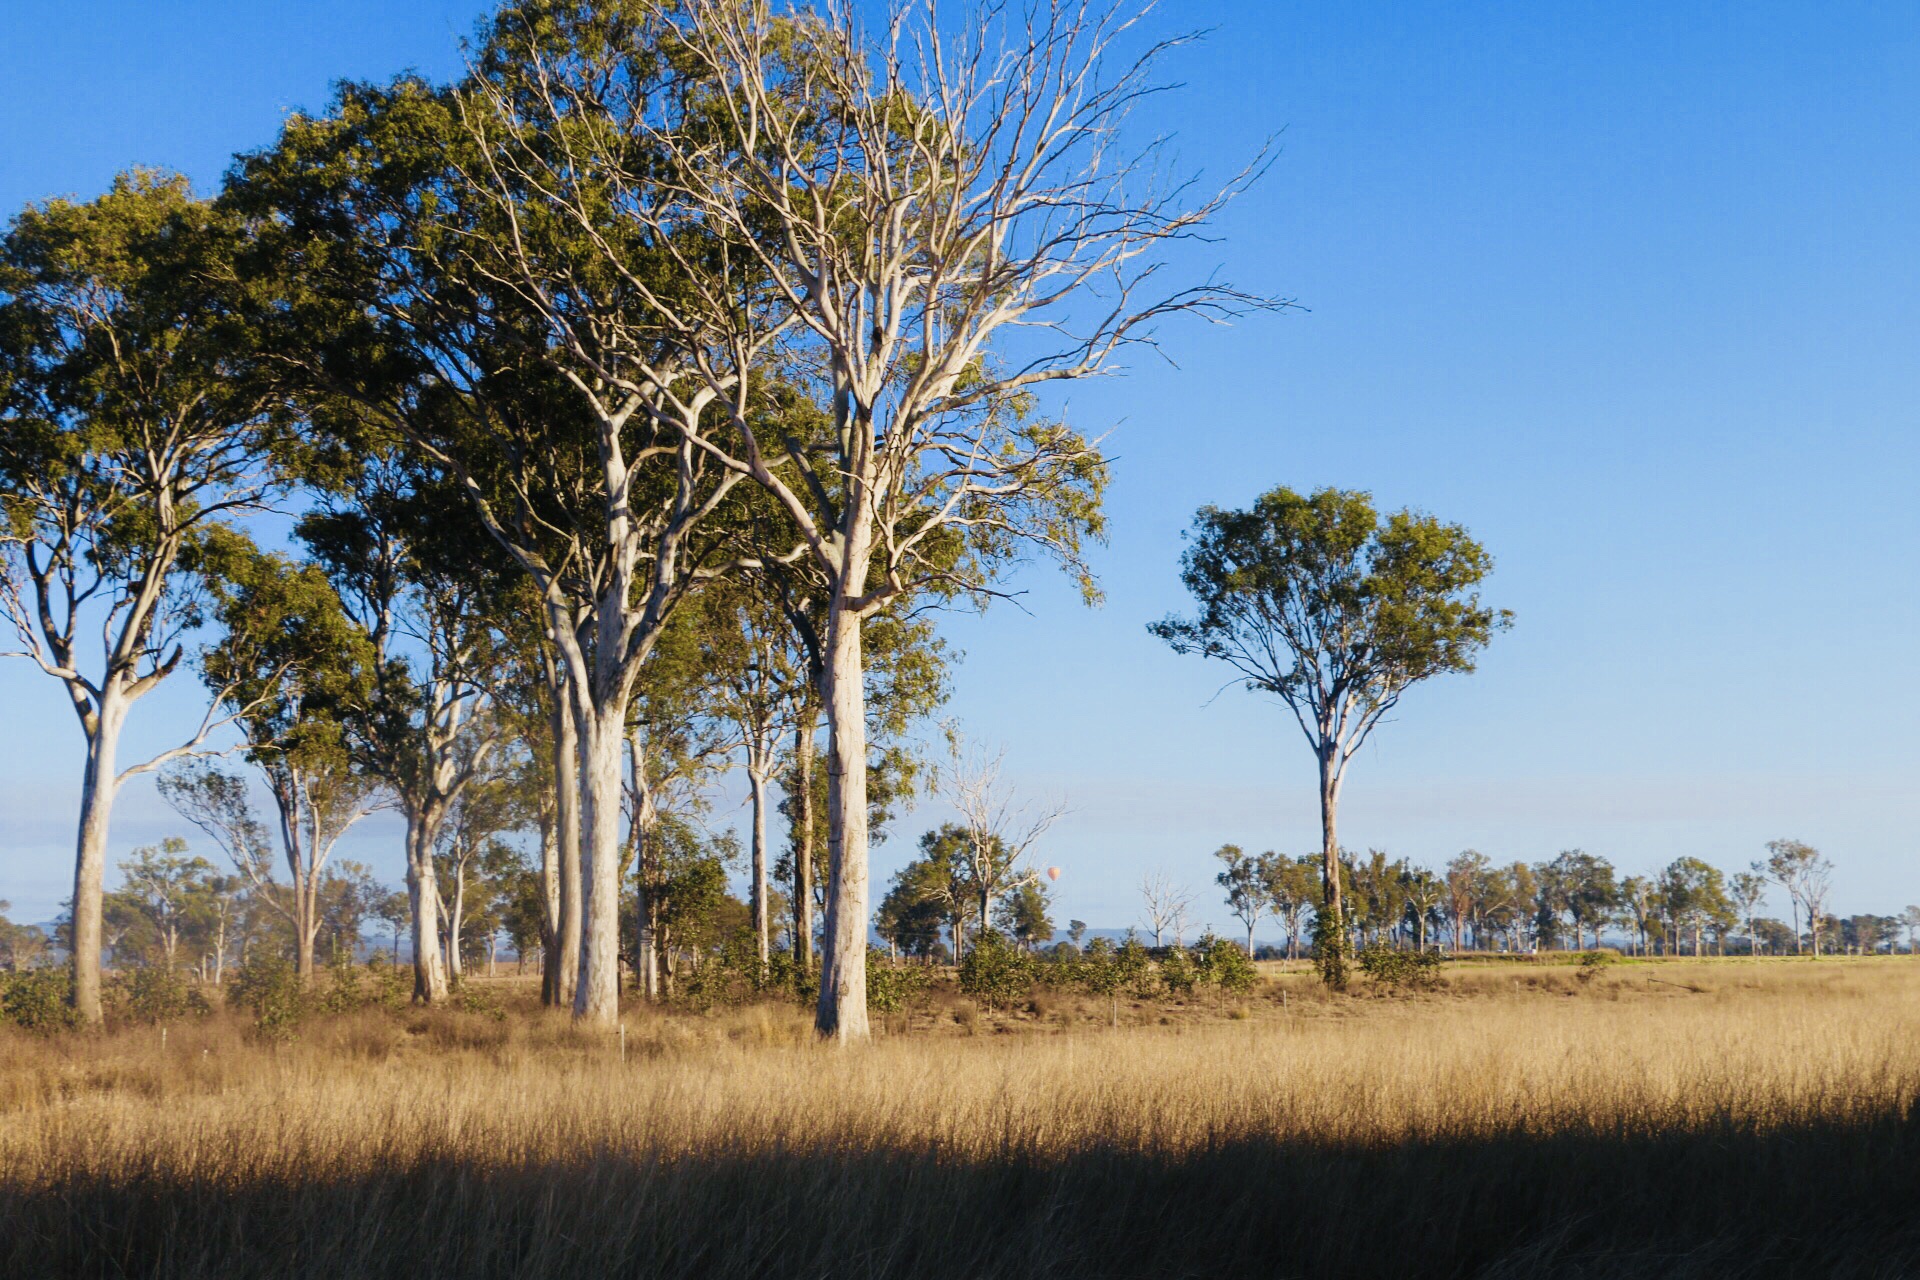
155, 993
37, 1000
471, 997
1392, 968
392, 983
891, 987
1138, 973
1178, 971
267, 987
996, 972
1225, 965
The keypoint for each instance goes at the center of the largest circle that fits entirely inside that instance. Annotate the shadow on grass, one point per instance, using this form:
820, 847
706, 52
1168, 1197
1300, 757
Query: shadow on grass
1828, 1201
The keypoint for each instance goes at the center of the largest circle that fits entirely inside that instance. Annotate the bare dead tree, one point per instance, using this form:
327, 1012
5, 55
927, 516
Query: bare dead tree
1000, 828
1165, 904
947, 217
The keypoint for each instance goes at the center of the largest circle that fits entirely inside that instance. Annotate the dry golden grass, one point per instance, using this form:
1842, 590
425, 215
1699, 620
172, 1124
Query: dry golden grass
1705, 1119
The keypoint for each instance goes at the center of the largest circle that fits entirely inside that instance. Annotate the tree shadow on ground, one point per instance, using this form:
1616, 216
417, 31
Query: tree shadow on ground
1830, 1201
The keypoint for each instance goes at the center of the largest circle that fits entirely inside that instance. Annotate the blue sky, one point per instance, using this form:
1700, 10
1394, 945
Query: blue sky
1629, 289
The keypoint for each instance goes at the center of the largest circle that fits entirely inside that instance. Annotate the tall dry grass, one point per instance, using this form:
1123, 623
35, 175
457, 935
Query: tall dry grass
1720, 1120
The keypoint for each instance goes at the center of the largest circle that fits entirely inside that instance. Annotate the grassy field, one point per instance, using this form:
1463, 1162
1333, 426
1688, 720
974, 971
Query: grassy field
1684, 1119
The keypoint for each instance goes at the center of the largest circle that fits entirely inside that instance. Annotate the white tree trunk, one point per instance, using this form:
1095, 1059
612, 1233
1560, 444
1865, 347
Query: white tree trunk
566, 804
596, 997
757, 784
90, 861
423, 894
842, 1011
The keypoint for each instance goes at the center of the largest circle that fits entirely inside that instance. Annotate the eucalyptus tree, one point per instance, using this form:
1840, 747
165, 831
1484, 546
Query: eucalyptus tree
165, 888
293, 668
1293, 887
943, 218
1246, 877
1805, 874
1638, 897
505, 327
761, 679
1747, 889
1464, 894
408, 563
129, 440
1337, 612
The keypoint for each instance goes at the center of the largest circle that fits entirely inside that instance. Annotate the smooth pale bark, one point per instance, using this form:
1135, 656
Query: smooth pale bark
803, 843
569, 909
596, 997
456, 913
549, 911
842, 1011
1332, 932
423, 901
757, 786
90, 860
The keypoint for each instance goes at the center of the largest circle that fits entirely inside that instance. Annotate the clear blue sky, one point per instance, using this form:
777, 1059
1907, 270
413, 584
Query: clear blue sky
1632, 290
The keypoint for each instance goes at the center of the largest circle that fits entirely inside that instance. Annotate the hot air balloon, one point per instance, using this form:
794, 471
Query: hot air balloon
1053, 873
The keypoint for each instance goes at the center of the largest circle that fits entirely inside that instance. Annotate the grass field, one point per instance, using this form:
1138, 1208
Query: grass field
1678, 1119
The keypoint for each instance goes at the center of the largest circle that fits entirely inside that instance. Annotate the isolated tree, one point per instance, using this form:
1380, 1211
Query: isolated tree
1165, 904
128, 443
1798, 868
1319, 601
1247, 878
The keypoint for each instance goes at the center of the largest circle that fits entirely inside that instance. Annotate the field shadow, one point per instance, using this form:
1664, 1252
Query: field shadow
1835, 1201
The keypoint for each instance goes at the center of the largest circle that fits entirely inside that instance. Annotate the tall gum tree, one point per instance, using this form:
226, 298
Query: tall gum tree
438, 251
947, 218
128, 439
399, 556
1319, 601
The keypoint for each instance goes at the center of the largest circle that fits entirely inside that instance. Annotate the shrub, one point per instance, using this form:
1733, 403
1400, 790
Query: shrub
890, 986
996, 972
1137, 971
268, 987
471, 997
1394, 969
36, 1000
392, 983
156, 993
1225, 965
1178, 971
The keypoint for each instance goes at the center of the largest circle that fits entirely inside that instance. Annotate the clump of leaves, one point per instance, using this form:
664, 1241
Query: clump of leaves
267, 987
156, 993
1396, 970
891, 987
471, 997
1225, 965
36, 1000
1178, 971
996, 972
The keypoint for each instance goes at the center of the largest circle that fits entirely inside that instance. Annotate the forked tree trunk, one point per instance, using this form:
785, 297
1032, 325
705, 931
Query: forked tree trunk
90, 860
842, 1010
